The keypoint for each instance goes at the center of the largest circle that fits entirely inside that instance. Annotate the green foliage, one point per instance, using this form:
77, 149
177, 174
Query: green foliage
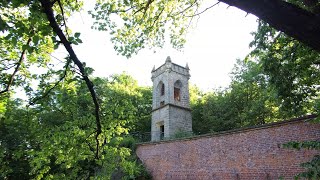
136, 24
249, 100
15, 138
27, 40
303, 145
54, 138
182, 134
292, 68
312, 167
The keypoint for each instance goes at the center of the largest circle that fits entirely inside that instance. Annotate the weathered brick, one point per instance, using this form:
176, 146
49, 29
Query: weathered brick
252, 153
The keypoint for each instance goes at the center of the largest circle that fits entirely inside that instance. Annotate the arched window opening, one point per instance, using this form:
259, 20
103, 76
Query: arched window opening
177, 90
176, 94
162, 90
160, 93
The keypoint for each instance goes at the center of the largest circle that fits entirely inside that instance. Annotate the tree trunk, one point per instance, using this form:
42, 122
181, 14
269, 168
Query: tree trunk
291, 19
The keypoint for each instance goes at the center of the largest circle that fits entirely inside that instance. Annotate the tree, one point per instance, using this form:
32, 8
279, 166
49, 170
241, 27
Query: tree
292, 68
300, 22
54, 138
15, 137
32, 26
145, 23
30, 32
250, 100
253, 95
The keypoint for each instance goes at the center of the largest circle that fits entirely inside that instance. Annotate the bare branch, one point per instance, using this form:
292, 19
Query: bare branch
189, 24
8, 66
88, 143
54, 57
126, 10
197, 14
181, 12
6, 59
138, 10
157, 17
16, 69
286, 17
54, 86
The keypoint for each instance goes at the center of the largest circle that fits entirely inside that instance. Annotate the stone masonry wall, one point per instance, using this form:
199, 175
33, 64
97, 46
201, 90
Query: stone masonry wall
172, 114
160, 117
252, 153
181, 121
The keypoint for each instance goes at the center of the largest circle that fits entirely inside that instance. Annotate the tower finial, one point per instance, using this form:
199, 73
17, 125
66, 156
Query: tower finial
153, 69
168, 59
187, 66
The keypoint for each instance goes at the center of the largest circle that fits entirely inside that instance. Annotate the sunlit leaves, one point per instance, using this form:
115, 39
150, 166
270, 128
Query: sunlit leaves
65, 129
292, 68
312, 167
250, 100
138, 24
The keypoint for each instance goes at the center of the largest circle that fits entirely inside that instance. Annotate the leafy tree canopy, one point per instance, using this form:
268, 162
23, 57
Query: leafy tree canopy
292, 67
69, 132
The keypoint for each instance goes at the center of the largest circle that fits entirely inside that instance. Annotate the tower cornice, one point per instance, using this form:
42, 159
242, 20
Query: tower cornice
170, 104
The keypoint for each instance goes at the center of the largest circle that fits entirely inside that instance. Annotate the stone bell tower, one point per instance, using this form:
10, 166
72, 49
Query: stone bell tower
171, 111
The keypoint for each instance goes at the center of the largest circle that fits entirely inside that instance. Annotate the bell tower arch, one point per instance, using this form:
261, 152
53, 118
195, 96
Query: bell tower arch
170, 101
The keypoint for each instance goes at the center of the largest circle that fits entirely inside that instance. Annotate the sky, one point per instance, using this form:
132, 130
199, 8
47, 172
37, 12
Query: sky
222, 35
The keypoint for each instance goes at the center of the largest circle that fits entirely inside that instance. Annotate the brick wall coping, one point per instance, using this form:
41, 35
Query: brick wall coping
240, 130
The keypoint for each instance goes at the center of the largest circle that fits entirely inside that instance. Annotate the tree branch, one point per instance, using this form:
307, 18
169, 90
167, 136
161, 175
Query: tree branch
55, 85
64, 19
6, 59
147, 6
88, 143
47, 9
8, 66
181, 12
197, 14
10, 82
126, 10
296, 22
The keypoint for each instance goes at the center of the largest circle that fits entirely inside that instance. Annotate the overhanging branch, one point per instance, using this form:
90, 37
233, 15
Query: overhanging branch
54, 86
47, 9
286, 17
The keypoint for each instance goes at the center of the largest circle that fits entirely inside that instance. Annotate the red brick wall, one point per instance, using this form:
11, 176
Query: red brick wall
252, 153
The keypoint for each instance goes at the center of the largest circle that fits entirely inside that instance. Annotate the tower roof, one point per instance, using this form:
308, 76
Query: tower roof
168, 59
170, 66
